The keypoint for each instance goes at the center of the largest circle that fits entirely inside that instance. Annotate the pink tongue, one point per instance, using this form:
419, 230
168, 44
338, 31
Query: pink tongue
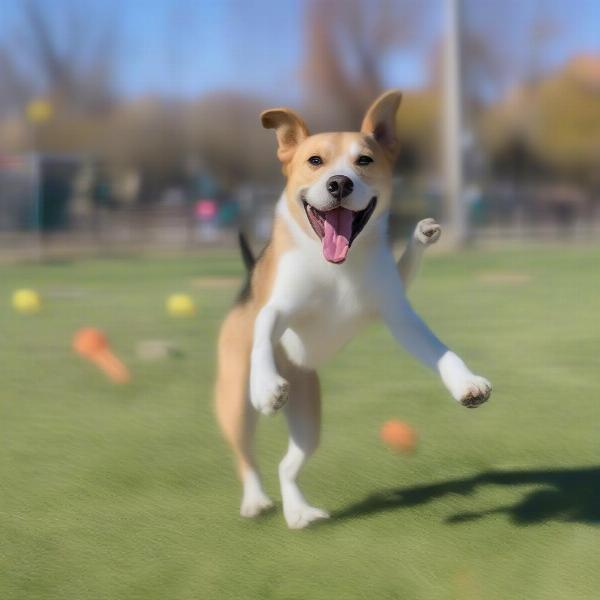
338, 230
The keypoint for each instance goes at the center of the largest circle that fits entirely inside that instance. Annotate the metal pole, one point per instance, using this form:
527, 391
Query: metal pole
36, 169
456, 212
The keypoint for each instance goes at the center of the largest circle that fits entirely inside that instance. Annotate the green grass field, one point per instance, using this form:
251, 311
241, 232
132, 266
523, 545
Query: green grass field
128, 493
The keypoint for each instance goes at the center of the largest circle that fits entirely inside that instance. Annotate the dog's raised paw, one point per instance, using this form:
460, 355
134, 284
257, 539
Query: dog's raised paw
428, 231
302, 515
474, 400
478, 391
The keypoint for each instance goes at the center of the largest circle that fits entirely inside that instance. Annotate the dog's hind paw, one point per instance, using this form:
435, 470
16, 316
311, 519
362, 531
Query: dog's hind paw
255, 504
302, 515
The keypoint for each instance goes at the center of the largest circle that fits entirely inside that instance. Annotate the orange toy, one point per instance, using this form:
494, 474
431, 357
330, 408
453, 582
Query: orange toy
399, 436
92, 344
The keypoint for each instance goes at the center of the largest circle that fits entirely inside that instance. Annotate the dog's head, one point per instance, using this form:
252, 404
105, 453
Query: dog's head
337, 183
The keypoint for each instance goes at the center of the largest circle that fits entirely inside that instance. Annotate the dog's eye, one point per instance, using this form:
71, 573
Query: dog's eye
315, 160
363, 160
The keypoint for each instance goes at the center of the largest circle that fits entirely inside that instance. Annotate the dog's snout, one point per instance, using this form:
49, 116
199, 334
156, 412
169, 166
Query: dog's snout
339, 186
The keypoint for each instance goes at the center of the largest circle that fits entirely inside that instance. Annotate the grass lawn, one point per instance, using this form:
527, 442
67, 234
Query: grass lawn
128, 492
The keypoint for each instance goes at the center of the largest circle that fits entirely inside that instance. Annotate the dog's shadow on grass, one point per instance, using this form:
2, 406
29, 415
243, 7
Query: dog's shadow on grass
568, 495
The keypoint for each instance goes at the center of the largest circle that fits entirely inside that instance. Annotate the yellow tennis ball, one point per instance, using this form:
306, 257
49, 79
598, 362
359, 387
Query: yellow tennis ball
180, 305
26, 301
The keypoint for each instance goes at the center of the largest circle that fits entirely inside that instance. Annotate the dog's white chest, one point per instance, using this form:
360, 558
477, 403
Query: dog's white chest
332, 304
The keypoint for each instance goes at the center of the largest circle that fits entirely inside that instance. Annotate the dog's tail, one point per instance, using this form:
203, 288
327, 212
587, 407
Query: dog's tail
249, 262
247, 256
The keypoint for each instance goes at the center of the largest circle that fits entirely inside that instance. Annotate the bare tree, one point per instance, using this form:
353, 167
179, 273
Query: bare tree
348, 42
15, 88
66, 55
497, 54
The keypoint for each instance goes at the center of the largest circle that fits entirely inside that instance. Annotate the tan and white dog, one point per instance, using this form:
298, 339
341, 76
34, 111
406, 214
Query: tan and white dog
327, 272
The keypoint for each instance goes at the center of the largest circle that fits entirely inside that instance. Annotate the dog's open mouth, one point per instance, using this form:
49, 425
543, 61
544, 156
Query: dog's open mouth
338, 228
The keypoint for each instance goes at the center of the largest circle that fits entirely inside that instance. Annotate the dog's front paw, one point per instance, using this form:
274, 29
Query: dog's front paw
427, 232
269, 393
473, 391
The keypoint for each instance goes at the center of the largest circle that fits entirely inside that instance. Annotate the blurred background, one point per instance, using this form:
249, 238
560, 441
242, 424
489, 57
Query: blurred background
131, 153
136, 124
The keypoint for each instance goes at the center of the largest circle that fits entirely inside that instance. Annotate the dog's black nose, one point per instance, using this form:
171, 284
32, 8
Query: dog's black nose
339, 186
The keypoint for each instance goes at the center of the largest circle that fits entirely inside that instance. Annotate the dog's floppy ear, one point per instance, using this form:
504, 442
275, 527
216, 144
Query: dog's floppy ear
380, 121
289, 127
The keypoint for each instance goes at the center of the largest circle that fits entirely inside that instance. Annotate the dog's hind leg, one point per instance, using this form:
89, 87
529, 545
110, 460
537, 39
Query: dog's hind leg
236, 415
303, 413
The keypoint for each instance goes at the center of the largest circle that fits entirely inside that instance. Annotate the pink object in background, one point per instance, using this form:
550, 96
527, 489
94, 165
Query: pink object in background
206, 210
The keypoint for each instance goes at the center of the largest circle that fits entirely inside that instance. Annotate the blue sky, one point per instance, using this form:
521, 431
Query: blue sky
575, 25
190, 47
254, 46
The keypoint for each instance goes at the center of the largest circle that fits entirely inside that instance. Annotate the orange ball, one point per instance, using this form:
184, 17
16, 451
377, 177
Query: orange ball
399, 436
